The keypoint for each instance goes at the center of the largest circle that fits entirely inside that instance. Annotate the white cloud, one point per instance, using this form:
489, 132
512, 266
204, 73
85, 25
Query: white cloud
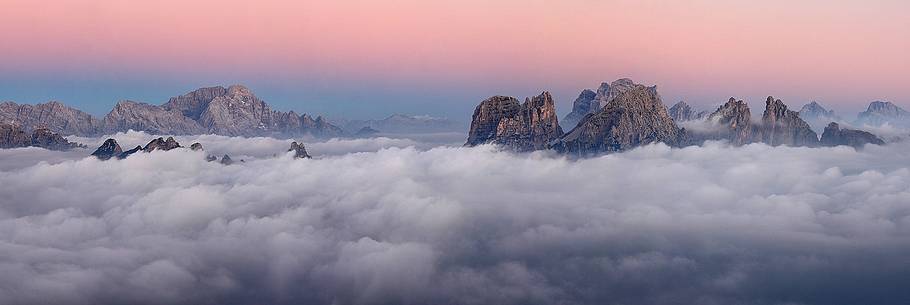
399, 224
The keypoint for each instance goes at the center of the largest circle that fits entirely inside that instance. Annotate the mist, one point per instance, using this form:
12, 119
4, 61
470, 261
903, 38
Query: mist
397, 221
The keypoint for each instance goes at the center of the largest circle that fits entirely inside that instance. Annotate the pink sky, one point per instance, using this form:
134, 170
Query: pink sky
840, 52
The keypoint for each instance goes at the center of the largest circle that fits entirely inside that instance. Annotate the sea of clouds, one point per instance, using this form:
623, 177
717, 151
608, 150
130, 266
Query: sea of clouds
399, 221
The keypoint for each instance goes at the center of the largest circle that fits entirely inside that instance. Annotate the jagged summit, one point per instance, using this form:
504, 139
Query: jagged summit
682, 112
879, 113
781, 126
634, 115
520, 126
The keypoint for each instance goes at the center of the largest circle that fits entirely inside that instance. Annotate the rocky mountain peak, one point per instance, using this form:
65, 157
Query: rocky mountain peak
196, 146
161, 144
108, 149
521, 127
681, 112
299, 151
239, 90
834, 136
635, 116
879, 113
781, 126
13, 136
584, 104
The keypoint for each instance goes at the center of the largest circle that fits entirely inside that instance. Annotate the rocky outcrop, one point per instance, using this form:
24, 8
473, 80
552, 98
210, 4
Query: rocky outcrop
54, 116
732, 122
817, 116
834, 136
153, 119
583, 105
519, 126
161, 144
682, 112
130, 152
634, 117
299, 151
781, 126
226, 160
196, 146
879, 113
13, 136
107, 150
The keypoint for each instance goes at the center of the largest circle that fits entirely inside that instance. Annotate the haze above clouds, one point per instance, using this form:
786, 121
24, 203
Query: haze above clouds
391, 223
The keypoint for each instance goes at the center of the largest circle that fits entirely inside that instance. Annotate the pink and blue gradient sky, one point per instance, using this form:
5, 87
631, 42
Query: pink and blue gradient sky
370, 58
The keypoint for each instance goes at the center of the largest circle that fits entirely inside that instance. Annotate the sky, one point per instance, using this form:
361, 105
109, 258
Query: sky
368, 59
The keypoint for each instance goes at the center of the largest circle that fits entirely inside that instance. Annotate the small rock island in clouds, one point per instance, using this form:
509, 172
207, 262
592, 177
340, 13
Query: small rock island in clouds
454, 152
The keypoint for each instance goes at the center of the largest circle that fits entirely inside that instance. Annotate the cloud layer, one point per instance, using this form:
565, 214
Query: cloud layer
404, 225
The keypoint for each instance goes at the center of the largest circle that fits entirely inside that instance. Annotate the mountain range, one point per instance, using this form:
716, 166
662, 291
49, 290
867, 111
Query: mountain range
231, 111
401, 123
623, 115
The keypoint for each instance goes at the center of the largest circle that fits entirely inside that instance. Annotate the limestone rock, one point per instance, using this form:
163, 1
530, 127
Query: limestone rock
153, 119
55, 116
817, 116
682, 112
518, 126
108, 149
834, 136
583, 105
634, 117
299, 151
781, 126
732, 122
13, 136
161, 144
130, 152
879, 113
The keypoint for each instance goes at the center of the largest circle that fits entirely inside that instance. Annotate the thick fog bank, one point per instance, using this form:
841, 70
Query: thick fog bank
404, 225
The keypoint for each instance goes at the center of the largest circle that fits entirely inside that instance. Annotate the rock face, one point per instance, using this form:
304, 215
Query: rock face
108, 149
817, 116
879, 113
13, 136
682, 112
781, 126
732, 122
52, 115
161, 144
634, 117
226, 160
128, 115
834, 136
232, 111
196, 146
519, 126
299, 151
583, 105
